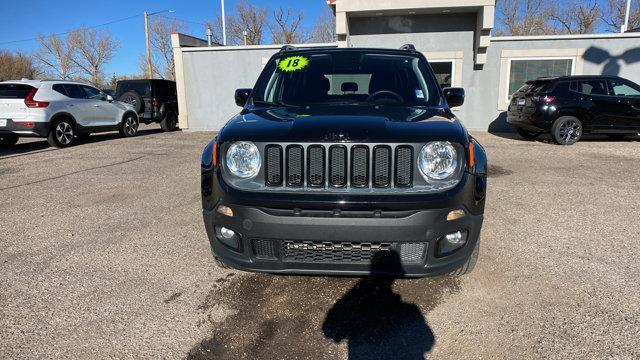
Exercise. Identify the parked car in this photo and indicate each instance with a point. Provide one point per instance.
(340, 157)
(109, 92)
(154, 100)
(61, 111)
(568, 107)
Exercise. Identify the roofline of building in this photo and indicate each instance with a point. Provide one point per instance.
(258, 47)
(566, 37)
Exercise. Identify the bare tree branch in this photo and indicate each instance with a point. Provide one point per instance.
(55, 56)
(324, 29)
(614, 12)
(287, 28)
(576, 18)
(160, 30)
(524, 17)
(92, 51)
(17, 66)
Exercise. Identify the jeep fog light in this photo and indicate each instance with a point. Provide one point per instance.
(452, 242)
(228, 237)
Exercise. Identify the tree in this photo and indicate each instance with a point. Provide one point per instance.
(324, 30)
(524, 17)
(287, 27)
(577, 18)
(17, 66)
(246, 17)
(55, 56)
(614, 13)
(92, 50)
(160, 30)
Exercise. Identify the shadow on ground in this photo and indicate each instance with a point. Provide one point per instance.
(35, 145)
(318, 317)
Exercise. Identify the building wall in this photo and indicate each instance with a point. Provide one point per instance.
(210, 75)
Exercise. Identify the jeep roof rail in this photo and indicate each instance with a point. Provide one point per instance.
(408, 47)
(288, 48)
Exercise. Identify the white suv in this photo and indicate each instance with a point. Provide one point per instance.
(61, 111)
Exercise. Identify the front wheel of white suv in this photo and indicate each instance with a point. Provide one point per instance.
(129, 126)
(62, 133)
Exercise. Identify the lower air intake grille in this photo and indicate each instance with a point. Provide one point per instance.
(264, 249)
(331, 252)
(412, 252)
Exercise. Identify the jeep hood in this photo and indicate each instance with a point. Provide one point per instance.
(344, 124)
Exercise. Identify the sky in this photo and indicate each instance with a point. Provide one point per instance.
(24, 20)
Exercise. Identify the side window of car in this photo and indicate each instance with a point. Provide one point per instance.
(59, 88)
(562, 88)
(74, 91)
(593, 87)
(623, 88)
(92, 93)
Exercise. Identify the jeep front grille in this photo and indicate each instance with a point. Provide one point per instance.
(338, 166)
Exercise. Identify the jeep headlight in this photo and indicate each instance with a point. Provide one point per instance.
(438, 160)
(243, 159)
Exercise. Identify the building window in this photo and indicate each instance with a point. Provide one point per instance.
(521, 70)
(444, 71)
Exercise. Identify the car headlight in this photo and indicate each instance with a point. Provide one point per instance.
(438, 160)
(243, 159)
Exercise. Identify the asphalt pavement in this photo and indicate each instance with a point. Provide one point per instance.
(103, 254)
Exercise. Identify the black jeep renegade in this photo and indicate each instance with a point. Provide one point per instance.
(341, 156)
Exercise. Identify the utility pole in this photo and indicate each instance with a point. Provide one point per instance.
(146, 35)
(224, 25)
(625, 27)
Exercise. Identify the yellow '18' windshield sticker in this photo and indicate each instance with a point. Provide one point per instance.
(293, 63)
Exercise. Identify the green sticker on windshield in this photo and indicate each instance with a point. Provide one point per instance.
(293, 63)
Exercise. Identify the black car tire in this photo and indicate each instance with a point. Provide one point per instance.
(8, 140)
(134, 99)
(169, 122)
(129, 125)
(221, 264)
(617, 137)
(529, 135)
(566, 130)
(62, 133)
(470, 264)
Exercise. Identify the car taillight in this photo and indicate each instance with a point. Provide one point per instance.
(544, 99)
(32, 103)
(154, 103)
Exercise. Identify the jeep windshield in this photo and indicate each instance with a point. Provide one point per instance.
(347, 77)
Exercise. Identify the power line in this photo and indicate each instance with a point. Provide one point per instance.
(70, 31)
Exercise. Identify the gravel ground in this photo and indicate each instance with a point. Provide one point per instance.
(103, 254)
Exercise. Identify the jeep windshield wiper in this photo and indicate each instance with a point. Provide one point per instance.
(274, 104)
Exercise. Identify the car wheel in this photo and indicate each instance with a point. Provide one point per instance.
(8, 140)
(62, 133)
(169, 122)
(129, 126)
(134, 99)
(566, 130)
(617, 136)
(529, 135)
(470, 264)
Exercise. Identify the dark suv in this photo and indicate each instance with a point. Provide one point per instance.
(347, 162)
(154, 100)
(570, 106)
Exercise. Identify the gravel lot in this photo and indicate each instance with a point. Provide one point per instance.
(103, 254)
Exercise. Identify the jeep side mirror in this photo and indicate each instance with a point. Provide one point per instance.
(454, 96)
(241, 96)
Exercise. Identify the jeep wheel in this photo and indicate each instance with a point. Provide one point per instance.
(566, 130)
(529, 135)
(8, 140)
(62, 133)
(470, 264)
(134, 99)
(129, 126)
(169, 122)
